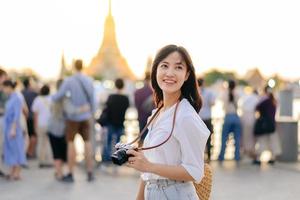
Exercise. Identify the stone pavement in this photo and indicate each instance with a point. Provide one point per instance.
(231, 182)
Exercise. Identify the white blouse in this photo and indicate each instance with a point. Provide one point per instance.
(186, 145)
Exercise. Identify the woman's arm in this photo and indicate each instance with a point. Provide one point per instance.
(35, 109)
(192, 135)
(17, 109)
(35, 121)
(140, 163)
(25, 110)
(171, 172)
(140, 195)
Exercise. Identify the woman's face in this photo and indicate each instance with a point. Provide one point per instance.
(171, 73)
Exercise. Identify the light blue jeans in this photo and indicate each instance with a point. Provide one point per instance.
(113, 137)
(232, 124)
(164, 189)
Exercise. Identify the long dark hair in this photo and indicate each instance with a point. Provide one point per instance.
(231, 86)
(268, 91)
(189, 89)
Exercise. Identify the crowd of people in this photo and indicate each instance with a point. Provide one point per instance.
(40, 124)
(254, 128)
(49, 121)
(243, 113)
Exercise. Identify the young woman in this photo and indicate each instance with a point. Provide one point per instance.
(56, 131)
(56, 134)
(232, 122)
(267, 138)
(168, 170)
(41, 114)
(14, 151)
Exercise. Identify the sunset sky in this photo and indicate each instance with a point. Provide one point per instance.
(232, 35)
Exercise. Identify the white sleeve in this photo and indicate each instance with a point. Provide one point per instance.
(35, 104)
(192, 135)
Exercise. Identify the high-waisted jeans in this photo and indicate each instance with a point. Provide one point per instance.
(164, 189)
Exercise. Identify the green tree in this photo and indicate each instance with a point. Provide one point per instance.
(212, 76)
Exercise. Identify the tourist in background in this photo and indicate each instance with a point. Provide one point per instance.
(56, 133)
(248, 105)
(232, 123)
(208, 99)
(29, 95)
(14, 151)
(116, 106)
(41, 109)
(267, 138)
(3, 99)
(80, 91)
(144, 103)
(23, 120)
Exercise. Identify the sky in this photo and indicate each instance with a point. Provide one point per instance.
(231, 35)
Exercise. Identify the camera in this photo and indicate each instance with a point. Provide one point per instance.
(119, 157)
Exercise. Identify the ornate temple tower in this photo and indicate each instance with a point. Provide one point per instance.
(63, 68)
(109, 63)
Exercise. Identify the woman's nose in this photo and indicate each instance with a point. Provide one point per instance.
(170, 72)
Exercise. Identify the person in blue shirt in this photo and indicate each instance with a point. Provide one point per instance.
(80, 93)
(3, 98)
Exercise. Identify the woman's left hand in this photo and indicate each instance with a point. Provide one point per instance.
(138, 161)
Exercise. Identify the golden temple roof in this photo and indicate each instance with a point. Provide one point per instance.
(109, 62)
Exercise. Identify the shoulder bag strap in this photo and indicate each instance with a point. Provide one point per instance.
(84, 89)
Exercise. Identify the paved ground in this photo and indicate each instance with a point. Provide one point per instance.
(231, 182)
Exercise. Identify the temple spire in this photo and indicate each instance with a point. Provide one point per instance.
(109, 8)
(109, 62)
(63, 68)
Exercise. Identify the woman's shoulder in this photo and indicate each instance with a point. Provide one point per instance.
(189, 119)
(16, 97)
(38, 100)
(14, 101)
(187, 111)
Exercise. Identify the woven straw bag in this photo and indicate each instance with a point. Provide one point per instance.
(203, 189)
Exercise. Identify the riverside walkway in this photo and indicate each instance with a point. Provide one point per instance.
(231, 182)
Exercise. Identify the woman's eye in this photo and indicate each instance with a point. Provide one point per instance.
(179, 67)
(163, 66)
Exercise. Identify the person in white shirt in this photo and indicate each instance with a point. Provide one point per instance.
(248, 105)
(209, 99)
(169, 170)
(41, 110)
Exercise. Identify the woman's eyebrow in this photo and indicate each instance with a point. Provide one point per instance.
(179, 63)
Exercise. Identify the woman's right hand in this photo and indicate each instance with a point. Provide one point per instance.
(138, 161)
